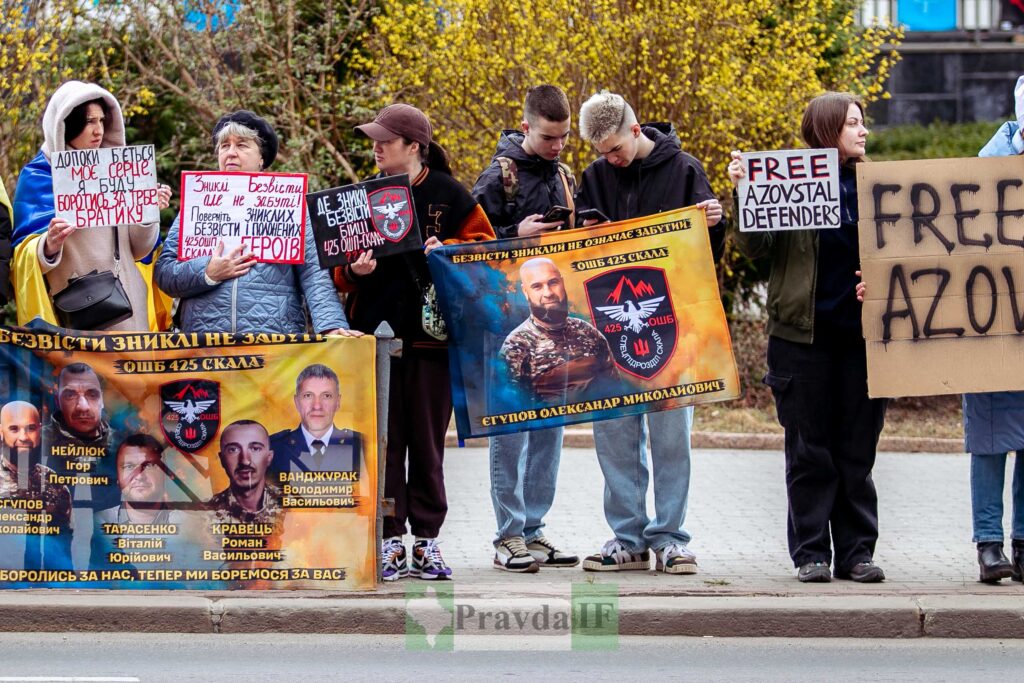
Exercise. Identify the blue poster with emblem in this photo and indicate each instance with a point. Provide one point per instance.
(583, 325)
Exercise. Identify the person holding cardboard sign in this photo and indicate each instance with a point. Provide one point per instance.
(79, 116)
(994, 426)
(817, 366)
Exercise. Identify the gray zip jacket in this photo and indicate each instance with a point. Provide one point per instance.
(266, 299)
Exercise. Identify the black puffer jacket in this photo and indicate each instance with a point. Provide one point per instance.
(666, 179)
(540, 186)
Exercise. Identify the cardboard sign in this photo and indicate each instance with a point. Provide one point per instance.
(265, 212)
(789, 189)
(95, 188)
(942, 254)
(160, 497)
(376, 215)
(633, 324)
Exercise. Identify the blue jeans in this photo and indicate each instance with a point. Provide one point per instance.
(524, 468)
(988, 472)
(621, 452)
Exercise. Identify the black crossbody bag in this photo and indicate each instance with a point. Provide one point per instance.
(95, 300)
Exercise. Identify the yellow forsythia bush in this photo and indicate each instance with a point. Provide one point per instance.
(728, 74)
(32, 36)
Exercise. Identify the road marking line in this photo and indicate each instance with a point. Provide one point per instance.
(72, 679)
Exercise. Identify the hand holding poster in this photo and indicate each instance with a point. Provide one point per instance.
(789, 189)
(262, 212)
(376, 215)
(95, 188)
(583, 325)
(940, 247)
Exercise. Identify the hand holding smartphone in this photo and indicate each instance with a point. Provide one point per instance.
(591, 214)
(557, 214)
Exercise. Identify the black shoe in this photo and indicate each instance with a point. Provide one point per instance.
(814, 572)
(865, 572)
(1017, 563)
(993, 563)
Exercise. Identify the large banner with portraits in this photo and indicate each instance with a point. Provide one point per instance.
(584, 325)
(203, 461)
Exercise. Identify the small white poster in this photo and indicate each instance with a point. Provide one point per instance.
(789, 189)
(264, 212)
(95, 188)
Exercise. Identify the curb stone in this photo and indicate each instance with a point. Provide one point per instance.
(852, 616)
(584, 438)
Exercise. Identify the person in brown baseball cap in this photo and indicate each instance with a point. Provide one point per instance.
(398, 289)
(412, 125)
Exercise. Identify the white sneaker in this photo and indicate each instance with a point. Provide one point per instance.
(675, 558)
(393, 560)
(511, 555)
(547, 555)
(614, 557)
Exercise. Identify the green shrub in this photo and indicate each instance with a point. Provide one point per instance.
(935, 141)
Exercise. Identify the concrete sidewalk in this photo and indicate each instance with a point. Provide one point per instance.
(746, 584)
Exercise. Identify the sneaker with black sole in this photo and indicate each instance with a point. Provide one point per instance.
(427, 563)
(615, 557)
(547, 555)
(863, 572)
(393, 561)
(675, 558)
(814, 572)
(511, 555)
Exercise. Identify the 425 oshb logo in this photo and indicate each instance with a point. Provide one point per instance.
(190, 413)
(392, 212)
(632, 308)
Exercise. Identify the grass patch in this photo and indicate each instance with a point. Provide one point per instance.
(931, 417)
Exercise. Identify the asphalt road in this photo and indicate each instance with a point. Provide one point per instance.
(309, 658)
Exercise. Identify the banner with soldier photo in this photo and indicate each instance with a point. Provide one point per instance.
(584, 325)
(200, 461)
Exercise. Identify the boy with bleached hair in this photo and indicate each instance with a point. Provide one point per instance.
(643, 171)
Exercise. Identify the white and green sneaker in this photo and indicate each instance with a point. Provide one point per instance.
(614, 557)
(675, 558)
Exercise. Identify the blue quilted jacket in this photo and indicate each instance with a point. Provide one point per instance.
(994, 421)
(266, 299)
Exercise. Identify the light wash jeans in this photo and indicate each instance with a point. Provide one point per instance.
(988, 472)
(621, 452)
(524, 468)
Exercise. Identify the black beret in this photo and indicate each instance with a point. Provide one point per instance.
(268, 138)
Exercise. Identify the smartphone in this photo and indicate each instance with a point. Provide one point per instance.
(557, 214)
(588, 214)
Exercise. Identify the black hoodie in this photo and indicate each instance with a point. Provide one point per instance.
(540, 186)
(666, 179)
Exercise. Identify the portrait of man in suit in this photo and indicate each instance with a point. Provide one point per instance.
(316, 444)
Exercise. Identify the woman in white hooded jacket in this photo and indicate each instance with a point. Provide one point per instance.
(81, 116)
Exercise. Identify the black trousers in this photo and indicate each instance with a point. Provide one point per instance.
(419, 410)
(832, 429)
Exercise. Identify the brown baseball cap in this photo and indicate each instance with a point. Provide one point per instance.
(399, 121)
